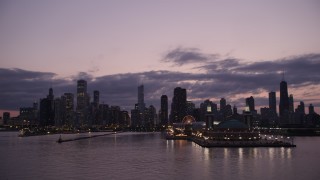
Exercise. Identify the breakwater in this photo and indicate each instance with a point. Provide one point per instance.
(61, 140)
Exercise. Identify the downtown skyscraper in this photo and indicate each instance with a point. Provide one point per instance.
(250, 104)
(96, 97)
(47, 110)
(179, 105)
(164, 110)
(284, 102)
(141, 104)
(284, 98)
(273, 101)
(69, 107)
(82, 102)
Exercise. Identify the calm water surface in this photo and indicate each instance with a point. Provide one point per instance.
(147, 156)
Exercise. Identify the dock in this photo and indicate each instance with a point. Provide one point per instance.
(239, 144)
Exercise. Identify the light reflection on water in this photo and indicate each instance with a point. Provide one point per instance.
(148, 156)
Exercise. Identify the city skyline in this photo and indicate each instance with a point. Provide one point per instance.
(213, 49)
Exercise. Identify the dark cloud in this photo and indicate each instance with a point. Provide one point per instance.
(20, 88)
(182, 56)
(222, 78)
(292, 66)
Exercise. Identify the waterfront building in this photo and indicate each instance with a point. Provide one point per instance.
(164, 110)
(268, 117)
(231, 130)
(248, 117)
(178, 106)
(203, 110)
(209, 118)
(28, 115)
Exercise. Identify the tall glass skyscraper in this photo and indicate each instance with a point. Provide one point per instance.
(82, 102)
(81, 94)
(141, 104)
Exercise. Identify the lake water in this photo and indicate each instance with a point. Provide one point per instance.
(148, 156)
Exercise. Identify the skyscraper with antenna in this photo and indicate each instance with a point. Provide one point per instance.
(284, 100)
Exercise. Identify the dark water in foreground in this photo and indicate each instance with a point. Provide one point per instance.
(147, 156)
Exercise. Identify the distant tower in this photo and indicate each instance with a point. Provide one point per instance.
(291, 105)
(141, 104)
(179, 105)
(272, 101)
(96, 95)
(6, 117)
(47, 110)
(235, 109)
(81, 95)
(82, 102)
(209, 117)
(301, 108)
(164, 110)
(311, 109)
(250, 103)
(190, 107)
(69, 108)
(223, 103)
(50, 95)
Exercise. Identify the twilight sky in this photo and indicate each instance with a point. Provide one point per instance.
(214, 49)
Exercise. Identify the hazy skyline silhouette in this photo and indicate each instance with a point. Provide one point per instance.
(213, 49)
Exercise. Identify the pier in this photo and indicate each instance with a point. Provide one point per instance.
(60, 140)
(237, 144)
